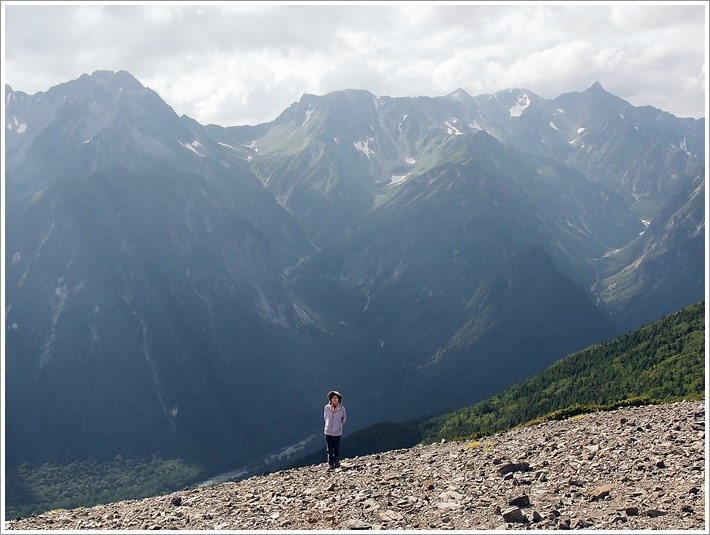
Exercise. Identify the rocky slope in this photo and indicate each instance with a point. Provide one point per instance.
(629, 469)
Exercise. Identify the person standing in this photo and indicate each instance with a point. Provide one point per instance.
(334, 415)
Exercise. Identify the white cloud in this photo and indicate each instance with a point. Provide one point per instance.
(245, 62)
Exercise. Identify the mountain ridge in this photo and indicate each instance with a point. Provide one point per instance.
(168, 277)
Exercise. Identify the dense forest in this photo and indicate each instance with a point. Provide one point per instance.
(84, 483)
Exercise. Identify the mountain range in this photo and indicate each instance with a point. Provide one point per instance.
(193, 291)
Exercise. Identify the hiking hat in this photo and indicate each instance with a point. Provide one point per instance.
(335, 393)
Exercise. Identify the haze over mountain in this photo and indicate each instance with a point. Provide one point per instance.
(193, 291)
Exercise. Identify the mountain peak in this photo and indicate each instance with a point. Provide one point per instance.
(117, 78)
(459, 94)
(596, 87)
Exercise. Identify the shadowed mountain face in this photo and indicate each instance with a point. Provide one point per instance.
(196, 290)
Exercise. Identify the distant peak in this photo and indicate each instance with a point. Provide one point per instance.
(596, 86)
(459, 94)
(120, 77)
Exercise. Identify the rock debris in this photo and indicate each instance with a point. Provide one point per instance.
(635, 468)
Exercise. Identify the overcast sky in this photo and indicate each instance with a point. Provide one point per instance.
(236, 63)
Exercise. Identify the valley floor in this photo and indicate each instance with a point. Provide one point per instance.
(634, 468)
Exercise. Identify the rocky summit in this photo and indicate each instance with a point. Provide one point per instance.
(634, 468)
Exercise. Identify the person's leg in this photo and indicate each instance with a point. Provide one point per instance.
(336, 451)
(329, 448)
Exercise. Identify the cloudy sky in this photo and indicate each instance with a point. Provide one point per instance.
(235, 63)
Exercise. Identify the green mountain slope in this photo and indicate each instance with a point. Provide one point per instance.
(661, 362)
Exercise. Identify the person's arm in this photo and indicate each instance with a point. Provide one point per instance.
(345, 415)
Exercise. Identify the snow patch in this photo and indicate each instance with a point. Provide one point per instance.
(409, 160)
(192, 147)
(18, 127)
(309, 112)
(553, 125)
(88, 140)
(579, 131)
(398, 179)
(404, 118)
(225, 145)
(684, 146)
(363, 146)
(477, 127)
(560, 110)
(451, 129)
(252, 145)
(521, 104)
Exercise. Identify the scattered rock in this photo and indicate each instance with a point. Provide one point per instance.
(636, 468)
(520, 501)
(357, 525)
(509, 468)
(514, 514)
(601, 492)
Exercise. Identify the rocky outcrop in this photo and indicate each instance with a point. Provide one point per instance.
(629, 469)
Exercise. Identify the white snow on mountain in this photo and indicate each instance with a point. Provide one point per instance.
(684, 147)
(309, 112)
(18, 127)
(578, 131)
(552, 125)
(451, 129)
(398, 179)
(363, 147)
(192, 147)
(521, 104)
